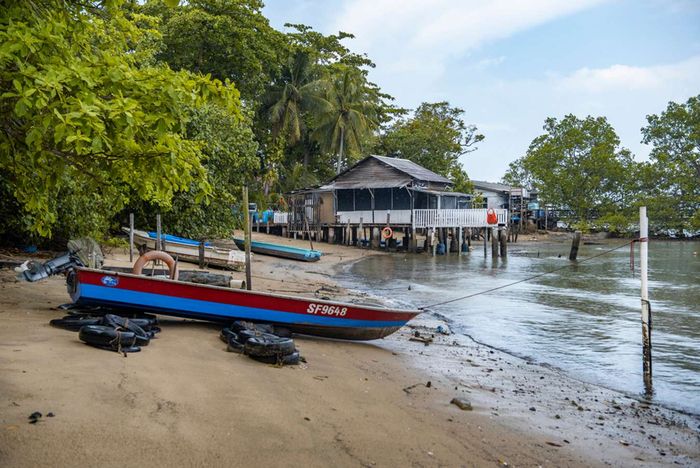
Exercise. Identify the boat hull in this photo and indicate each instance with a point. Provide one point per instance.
(282, 251)
(188, 300)
(213, 256)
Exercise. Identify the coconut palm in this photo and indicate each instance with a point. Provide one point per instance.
(297, 91)
(345, 115)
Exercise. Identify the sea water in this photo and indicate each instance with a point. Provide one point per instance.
(584, 319)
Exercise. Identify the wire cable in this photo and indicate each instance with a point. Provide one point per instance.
(526, 279)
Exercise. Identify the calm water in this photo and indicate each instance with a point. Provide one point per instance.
(584, 319)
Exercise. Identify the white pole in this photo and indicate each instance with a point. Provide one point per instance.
(646, 308)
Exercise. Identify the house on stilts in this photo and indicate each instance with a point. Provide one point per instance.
(356, 206)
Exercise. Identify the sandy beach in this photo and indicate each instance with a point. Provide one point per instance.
(185, 401)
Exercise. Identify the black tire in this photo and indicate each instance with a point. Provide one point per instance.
(234, 346)
(74, 323)
(126, 324)
(240, 325)
(282, 332)
(269, 345)
(132, 325)
(245, 335)
(226, 334)
(288, 360)
(106, 337)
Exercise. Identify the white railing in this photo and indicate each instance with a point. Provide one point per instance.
(280, 218)
(395, 217)
(456, 218)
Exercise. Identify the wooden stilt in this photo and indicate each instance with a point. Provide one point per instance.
(494, 242)
(504, 245)
(574, 245)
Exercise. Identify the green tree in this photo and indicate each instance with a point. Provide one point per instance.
(435, 137)
(229, 157)
(296, 93)
(86, 120)
(578, 165)
(228, 39)
(347, 115)
(673, 177)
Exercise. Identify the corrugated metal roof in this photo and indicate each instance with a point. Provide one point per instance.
(494, 186)
(372, 172)
(414, 170)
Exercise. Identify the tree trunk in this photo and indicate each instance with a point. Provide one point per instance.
(340, 153)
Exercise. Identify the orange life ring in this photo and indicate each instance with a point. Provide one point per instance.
(491, 216)
(156, 255)
(387, 233)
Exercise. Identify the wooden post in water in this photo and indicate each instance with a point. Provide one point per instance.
(460, 240)
(433, 243)
(248, 235)
(159, 238)
(494, 242)
(485, 244)
(646, 306)
(503, 237)
(361, 230)
(574, 245)
(201, 253)
(131, 237)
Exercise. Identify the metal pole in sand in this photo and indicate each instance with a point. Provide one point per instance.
(159, 241)
(646, 307)
(131, 237)
(248, 234)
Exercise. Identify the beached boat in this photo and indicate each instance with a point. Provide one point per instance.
(196, 301)
(187, 250)
(284, 251)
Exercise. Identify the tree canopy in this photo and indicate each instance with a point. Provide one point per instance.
(435, 137)
(672, 180)
(578, 165)
(87, 114)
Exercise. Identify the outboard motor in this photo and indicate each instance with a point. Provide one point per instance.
(81, 252)
(36, 271)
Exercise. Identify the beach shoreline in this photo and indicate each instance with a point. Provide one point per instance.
(184, 400)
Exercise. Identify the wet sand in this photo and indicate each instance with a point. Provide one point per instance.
(185, 401)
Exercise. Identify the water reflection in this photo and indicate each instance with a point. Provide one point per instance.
(584, 319)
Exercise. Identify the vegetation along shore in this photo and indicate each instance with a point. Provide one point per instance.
(148, 146)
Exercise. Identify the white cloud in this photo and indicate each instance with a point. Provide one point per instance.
(410, 35)
(488, 63)
(625, 94)
(630, 78)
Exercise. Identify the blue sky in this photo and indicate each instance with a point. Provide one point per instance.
(511, 64)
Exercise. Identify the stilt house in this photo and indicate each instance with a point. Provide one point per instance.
(378, 190)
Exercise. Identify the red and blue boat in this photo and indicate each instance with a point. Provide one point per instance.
(308, 316)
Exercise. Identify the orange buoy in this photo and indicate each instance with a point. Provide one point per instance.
(387, 233)
(156, 255)
(491, 216)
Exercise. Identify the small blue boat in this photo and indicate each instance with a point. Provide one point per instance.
(283, 251)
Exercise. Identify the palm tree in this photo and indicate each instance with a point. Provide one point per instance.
(345, 115)
(289, 100)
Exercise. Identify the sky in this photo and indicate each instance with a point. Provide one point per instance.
(510, 64)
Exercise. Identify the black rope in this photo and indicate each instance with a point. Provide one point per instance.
(525, 279)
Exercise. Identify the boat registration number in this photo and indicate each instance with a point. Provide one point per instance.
(325, 309)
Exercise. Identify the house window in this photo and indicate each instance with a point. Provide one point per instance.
(382, 199)
(345, 200)
(420, 200)
(363, 200)
(448, 203)
(401, 199)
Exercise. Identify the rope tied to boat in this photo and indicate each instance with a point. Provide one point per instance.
(529, 278)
